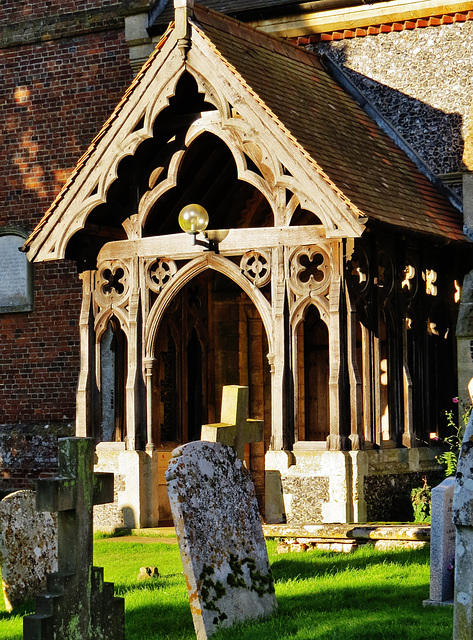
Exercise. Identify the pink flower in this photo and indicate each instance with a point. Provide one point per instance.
(455, 400)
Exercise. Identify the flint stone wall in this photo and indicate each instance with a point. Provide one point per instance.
(306, 495)
(421, 80)
(388, 497)
(109, 517)
(28, 453)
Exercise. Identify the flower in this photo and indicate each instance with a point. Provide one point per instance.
(455, 400)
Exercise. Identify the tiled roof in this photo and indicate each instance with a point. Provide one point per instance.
(350, 150)
(352, 154)
(230, 7)
(373, 30)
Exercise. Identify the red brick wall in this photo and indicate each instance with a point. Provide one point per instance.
(54, 97)
(20, 10)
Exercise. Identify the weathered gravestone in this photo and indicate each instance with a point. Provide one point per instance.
(235, 429)
(28, 547)
(463, 520)
(79, 605)
(220, 537)
(442, 544)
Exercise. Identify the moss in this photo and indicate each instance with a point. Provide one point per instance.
(260, 583)
(211, 590)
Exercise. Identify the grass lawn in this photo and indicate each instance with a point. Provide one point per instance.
(365, 595)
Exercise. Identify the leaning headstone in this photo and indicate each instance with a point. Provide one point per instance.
(463, 520)
(442, 544)
(28, 547)
(220, 537)
(78, 603)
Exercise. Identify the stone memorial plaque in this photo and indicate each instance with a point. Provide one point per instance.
(15, 275)
(220, 537)
(442, 543)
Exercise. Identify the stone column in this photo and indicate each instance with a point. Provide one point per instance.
(84, 397)
(149, 362)
(277, 358)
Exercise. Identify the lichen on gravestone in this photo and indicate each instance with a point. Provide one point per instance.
(220, 536)
(28, 547)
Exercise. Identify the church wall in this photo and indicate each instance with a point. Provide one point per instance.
(27, 454)
(54, 97)
(317, 486)
(421, 80)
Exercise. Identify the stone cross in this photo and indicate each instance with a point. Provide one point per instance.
(235, 429)
(79, 604)
(220, 536)
(463, 520)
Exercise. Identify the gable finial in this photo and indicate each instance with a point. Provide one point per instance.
(183, 10)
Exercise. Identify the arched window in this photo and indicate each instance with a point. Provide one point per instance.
(112, 383)
(313, 376)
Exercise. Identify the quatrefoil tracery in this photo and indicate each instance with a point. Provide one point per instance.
(309, 270)
(256, 267)
(111, 283)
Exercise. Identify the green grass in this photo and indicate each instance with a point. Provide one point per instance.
(365, 595)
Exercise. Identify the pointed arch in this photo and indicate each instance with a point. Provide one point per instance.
(185, 275)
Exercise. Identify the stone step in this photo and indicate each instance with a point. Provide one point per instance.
(45, 603)
(339, 532)
(37, 626)
(56, 582)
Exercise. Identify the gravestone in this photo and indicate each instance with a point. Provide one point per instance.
(78, 604)
(28, 547)
(220, 537)
(463, 520)
(442, 544)
(235, 429)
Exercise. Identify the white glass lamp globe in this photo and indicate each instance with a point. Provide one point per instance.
(193, 219)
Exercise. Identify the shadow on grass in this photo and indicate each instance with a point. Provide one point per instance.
(23, 609)
(322, 563)
(156, 584)
(158, 620)
(369, 613)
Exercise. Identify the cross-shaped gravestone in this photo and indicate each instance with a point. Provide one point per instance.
(79, 604)
(235, 429)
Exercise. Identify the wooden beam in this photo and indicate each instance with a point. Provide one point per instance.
(361, 16)
(179, 246)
